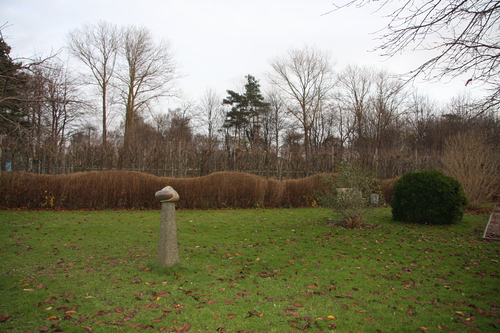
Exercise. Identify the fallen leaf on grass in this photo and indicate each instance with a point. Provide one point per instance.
(4, 317)
(130, 315)
(410, 311)
(139, 327)
(186, 327)
(88, 329)
(150, 305)
(482, 312)
(331, 317)
(100, 313)
(254, 313)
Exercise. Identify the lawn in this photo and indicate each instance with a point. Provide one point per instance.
(281, 270)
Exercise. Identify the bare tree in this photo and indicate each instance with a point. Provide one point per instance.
(457, 116)
(275, 118)
(355, 88)
(342, 125)
(210, 117)
(97, 47)
(54, 108)
(147, 74)
(386, 102)
(466, 33)
(14, 77)
(421, 114)
(211, 112)
(306, 77)
(472, 160)
(274, 121)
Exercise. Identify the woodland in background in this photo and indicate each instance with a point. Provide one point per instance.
(411, 140)
(57, 119)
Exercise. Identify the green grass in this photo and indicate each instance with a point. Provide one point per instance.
(278, 270)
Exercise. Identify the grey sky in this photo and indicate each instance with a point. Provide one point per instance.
(218, 42)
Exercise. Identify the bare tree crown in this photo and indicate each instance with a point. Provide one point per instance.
(463, 37)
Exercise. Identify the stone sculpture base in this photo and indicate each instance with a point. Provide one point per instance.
(168, 254)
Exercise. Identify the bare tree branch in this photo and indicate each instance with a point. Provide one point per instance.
(462, 35)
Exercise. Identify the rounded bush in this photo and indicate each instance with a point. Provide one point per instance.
(428, 197)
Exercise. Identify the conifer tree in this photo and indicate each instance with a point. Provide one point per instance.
(12, 83)
(246, 110)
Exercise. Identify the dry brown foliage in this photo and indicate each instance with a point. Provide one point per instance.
(475, 163)
(135, 190)
(300, 192)
(387, 186)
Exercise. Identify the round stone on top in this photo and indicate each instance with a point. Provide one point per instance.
(167, 194)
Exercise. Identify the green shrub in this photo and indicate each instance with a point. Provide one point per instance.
(348, 194)
(428, 197)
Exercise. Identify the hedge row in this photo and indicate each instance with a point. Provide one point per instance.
(135, 190)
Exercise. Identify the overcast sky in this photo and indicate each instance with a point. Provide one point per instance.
(218, 42)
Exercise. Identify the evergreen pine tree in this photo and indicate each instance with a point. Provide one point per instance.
(12, 83)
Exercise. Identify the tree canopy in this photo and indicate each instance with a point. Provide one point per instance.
(245, 108)
(12, 83)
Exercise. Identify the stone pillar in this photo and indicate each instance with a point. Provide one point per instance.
(168, 254)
